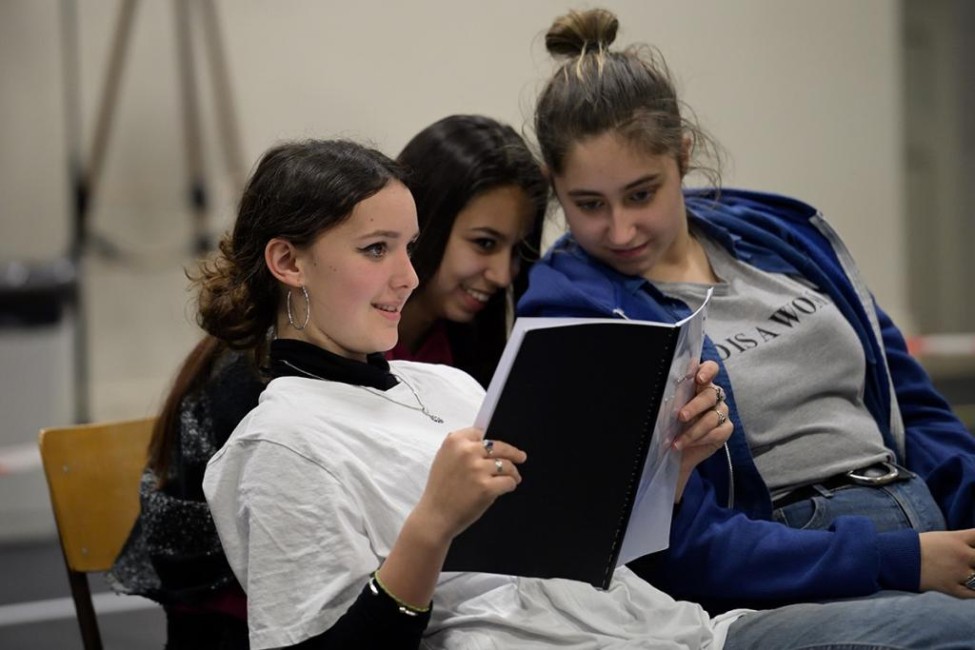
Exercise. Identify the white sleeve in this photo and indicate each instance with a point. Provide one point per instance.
(293, 536)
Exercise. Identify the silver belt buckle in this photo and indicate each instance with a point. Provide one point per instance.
(892, 475)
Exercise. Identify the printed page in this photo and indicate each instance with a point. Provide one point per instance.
(648, 530)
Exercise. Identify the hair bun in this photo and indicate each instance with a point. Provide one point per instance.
(578, 31)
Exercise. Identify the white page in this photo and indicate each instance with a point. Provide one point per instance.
(648, 530)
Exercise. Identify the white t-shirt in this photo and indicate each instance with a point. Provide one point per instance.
(311, 490)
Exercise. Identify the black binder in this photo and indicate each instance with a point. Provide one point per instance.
(582, 400)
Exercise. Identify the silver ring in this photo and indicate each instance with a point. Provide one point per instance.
(722, 418)
(488, 446)
(970, 583)
(718, 394)
(498, 467)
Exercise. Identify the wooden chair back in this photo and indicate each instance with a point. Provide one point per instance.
(93, 473)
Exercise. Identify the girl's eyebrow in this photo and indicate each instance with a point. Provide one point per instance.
(381, 233)
(386, 234)
(487, 230)
(649, 178)
(582, 193)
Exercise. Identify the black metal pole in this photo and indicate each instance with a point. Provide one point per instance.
(78, 204)
(197, 191)
(227, 116)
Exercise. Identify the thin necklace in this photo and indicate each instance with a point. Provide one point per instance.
(421, 408)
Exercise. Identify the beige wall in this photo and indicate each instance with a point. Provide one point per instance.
(804, 95)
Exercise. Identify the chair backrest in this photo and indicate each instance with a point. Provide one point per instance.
(93, 473)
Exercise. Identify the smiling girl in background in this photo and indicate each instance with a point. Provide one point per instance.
(480, 199)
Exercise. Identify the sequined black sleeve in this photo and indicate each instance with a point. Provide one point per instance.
(173, 554)
(373, 621)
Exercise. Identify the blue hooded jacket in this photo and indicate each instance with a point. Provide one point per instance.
(724, 549)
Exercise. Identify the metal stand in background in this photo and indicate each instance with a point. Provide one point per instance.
(85, 177)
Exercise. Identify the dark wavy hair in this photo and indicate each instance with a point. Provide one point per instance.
(297, 191)
(449, 163)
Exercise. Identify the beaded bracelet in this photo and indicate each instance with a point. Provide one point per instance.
(375, 585)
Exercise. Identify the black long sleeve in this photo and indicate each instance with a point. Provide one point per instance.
(374, 620)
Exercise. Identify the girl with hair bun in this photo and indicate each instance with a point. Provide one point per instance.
(847, 475)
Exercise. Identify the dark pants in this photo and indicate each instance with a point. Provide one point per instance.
(205, 631)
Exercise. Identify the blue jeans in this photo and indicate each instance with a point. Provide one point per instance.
(889, 620)
(905, 504)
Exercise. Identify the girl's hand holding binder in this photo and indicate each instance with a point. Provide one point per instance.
(465, 478)
(706, 425)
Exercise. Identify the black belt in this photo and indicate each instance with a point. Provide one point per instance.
(875, 475)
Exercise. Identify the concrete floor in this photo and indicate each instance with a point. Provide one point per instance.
(36, 611)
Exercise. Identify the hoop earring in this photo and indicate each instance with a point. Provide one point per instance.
(291, 317)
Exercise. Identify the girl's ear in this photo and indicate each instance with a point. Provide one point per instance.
(281, 258)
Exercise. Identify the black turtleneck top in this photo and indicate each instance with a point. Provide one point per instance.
(293, 358)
